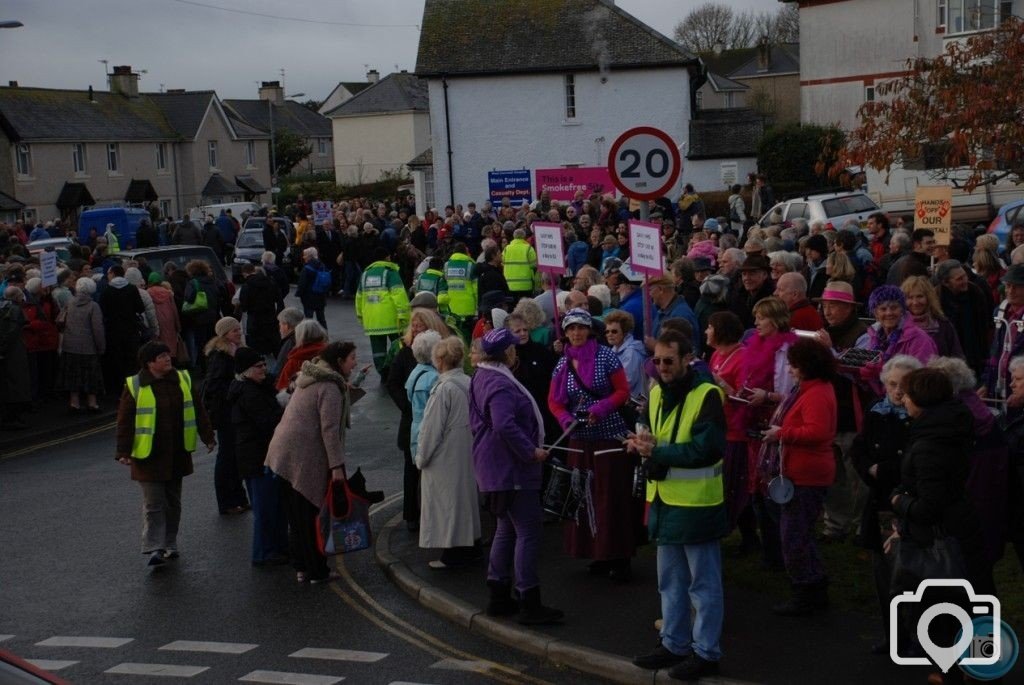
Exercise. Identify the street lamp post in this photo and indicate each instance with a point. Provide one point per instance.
(273, 155)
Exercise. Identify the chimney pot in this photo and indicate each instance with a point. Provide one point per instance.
(123, 81)
(372, 76)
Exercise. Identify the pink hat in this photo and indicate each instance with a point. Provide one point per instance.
(838, 291)
(706, 249)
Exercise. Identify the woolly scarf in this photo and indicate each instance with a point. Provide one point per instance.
(504, 371)
(887, 343)
(586, 357)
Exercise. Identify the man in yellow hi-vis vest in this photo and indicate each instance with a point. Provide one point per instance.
(159, 423)
(520, 260)
(682, 454)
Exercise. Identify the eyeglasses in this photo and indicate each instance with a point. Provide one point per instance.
(663, 361)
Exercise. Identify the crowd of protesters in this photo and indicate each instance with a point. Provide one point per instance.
(834, 358)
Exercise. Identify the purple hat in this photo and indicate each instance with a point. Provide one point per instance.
(886, 293)
(497, 341)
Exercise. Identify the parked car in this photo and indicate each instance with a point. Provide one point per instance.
(261, 221)
(248, 250)
(835, 209)
(181, 255)
(237, 210)
(58, 245)
(1008, 215)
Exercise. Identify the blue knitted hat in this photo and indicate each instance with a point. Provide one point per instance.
(886, 293)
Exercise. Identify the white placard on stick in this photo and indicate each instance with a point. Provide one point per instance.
(645, 247)
(322, 210)
(548, 243)
(48, 266)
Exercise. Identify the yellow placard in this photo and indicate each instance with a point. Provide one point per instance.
(933, 209)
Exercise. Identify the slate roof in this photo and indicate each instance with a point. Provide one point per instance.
(218, 185)
(74, 195)
(9, 204)
(28, 114)
(727, 61)
(723, 85)
(250, 184)
(141, 190)
(461, 37)
(784, 59)
(423, 159)
(292, 116)
(184, 111)
(725, 133)
(398, 92)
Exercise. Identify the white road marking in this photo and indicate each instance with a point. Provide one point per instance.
(171, 670)
(211, 647)
(338, 655)
(5, 637)
(282, 678)
(462, 665)
(84, 641)
(51, 664)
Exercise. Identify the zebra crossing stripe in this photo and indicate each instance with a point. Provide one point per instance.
(283, 678)
(5, 637)
(51, 664)
(170, 670)
(209, 647)
(338, 655)
(84, 641)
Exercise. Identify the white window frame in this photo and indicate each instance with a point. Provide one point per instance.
(941, 14)
(23, 160)
(321, 146)
(79, 159)
(730, 100)
(569, 87)
(700, 100)
(114, 159)
(211, 153)
(161, 156)
(250, 154)
(970, 14)
(165, 208)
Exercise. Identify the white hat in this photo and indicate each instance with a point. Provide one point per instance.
(498, 316)
(111, 227)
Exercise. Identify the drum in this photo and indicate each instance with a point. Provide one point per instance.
(560, 498)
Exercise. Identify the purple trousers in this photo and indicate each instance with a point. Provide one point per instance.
(796, 530)
(516, 543)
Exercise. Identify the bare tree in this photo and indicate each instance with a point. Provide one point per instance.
(785, 24)
(745, 30)
(705, 27)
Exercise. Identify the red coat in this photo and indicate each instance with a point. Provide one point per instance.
(808, 430)
(804, 317)
(40, 335)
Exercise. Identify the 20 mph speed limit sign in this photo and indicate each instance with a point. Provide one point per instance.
(644, 163)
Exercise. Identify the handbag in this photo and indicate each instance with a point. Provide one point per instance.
(199, 303)
(913, 561)
(344, 520)
(181, 351)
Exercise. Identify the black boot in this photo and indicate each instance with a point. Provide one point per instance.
(533, 613)
(802, 602)
(501, 603)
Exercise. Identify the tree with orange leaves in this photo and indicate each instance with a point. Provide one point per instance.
(961, 112)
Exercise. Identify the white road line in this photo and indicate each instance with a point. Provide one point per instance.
(5, 637)
(462, 665)
(338, 655)
(282, 678)
(211, 647)
(51, 664)
(84, 641)
(171, 670)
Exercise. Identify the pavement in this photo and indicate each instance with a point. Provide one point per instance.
(607, 624)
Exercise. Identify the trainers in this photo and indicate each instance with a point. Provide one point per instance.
(157, 558)
(170, 554)
(693, 668)
(661, 657)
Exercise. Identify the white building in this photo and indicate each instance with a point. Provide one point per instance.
(840, 70)
(555, 88)
(380, 129)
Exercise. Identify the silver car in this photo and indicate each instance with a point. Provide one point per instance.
(835, 209)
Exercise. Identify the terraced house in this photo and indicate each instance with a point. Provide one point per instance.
(65, 150)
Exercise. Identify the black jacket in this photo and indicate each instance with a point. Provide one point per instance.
(220, 371)
(258, 297)
(741, 302)
(882, 441)
(491, 280)
(255, 414)
(534, 366)
(401, 367)
(933, 479)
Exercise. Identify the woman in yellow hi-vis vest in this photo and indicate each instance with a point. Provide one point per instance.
(159, 424)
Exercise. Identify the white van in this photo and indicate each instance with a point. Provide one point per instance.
(237, 209)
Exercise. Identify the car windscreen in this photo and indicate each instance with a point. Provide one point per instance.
(848, 204)
(250, 239)
(255, 222)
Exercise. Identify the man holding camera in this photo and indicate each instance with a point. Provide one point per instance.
(683, 465)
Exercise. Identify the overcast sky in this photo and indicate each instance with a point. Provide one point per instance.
(184, 45)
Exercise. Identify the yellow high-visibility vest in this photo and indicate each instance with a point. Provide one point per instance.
(701, 487)
(520, 263)
(145, 415)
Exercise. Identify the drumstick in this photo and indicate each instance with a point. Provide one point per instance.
(564, 449)
(563, 436)
(614, 449)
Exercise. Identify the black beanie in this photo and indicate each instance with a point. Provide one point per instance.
(245, 358)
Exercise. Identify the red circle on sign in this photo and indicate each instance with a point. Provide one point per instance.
(671, 149)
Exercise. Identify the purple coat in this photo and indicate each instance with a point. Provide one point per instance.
(990, 471)
(913, 341)
(504, 434)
